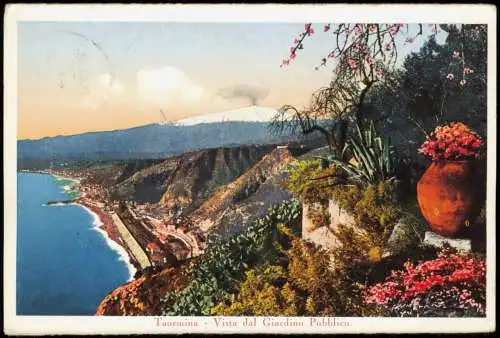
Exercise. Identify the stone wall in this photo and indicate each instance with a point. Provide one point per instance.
(406, 232)
(324, 236)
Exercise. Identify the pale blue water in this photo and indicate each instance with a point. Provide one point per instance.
(64, 267)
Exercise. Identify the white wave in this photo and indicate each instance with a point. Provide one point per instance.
(123, 254)
(58, 204)
(64, 178)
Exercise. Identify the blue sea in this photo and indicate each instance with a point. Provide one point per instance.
(64, 266)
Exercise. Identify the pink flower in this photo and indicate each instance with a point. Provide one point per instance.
(372, 28)
(450, 76)
(326, 28)
(309, 29)
(352, 63)
(292, 56)
(394, 29)
(456, 54)
(446, 272)
(388, 46)
(295, 41)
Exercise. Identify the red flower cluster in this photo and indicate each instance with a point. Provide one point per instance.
(454, 141)
(449, 271)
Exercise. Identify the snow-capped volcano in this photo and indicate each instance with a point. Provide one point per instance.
(246, 114)
(159, 140)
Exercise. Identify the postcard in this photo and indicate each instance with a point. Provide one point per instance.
(249, 169)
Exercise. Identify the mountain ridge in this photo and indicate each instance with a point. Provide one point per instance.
(149, 142)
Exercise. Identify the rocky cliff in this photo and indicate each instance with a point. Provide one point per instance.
(184, 180)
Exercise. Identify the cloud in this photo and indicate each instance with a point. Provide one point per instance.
(193, 93)
(252, 93)
(103, 89)
(167, 85)
(110, 82)
(172, 91)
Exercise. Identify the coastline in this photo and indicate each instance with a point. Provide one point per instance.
(59, 177)
(98, 226)
(102, 223)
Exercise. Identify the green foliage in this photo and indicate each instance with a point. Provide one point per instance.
(420, 91)
(264, 292)
(375, 158)
(223, 266)
(375, 213)
(305, 286)
(310, 182)
(374, 206)
(300, 175)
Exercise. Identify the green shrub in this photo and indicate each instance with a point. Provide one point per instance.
(311, 183)
(219, 271)
(375, 213)
(304, 286)
(301, 174)
(264, 292)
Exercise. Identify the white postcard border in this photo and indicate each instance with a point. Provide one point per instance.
(38, 325)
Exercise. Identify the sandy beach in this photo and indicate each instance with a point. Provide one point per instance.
(101, 225)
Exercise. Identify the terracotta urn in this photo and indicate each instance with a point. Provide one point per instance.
(449, 195)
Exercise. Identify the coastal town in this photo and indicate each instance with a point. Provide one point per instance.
(151, 237)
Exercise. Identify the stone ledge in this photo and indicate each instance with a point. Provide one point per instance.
(437, 241)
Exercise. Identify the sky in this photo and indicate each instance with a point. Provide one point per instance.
(75, 77)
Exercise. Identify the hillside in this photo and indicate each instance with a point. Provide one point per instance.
(188, 179)
(226, 213)
(226, 199)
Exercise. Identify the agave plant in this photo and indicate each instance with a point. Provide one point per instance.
(373, 158)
